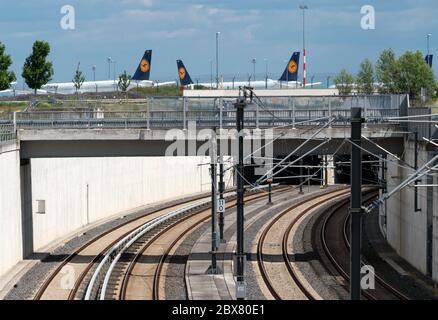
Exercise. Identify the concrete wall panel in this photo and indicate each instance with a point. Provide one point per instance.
(78, 191)
(407, 229)
(10, 207)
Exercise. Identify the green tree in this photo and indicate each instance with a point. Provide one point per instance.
(78, 79)
(6, 76)
(365, 78)
(387, 72)
(37, 71)
(344, 82)
(414, 74)
(124, 81)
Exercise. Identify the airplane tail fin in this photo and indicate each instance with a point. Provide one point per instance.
(429, 59)
(291, 71)
(183, 74)
(144, 67)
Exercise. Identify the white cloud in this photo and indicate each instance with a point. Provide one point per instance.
(146, 3)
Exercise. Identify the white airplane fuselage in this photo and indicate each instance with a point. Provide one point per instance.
(93, 86)
(260, 84)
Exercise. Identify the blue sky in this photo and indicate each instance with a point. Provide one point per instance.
(176, 29)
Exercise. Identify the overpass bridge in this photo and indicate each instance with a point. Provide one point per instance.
(96, 132)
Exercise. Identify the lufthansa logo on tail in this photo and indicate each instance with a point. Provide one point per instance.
(182, 73)
(144, 65)
(292, 67)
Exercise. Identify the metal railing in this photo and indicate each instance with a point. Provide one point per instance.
(99, 281)
(97, 287)
(7, 132)
(165, 113)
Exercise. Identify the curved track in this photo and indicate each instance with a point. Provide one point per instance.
(81, 263)
(54, 287)
(279, 275)
(336, 245)
(143, 280)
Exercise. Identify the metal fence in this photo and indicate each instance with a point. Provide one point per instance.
(162, 113)
(7, 132)
(424, 129)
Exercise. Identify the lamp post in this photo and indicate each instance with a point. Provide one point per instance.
(211, 74)
(304, 8)
(217, 59)
(114, 70)
(94, 72)
(109, 67)
(266, 73)
(428, 39)
(287, 76)
(254, 67)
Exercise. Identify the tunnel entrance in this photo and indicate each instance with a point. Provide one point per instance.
(290, 175)
(370, 169)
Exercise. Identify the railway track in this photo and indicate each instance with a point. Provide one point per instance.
(279, 274)
(336, 245)
(79, 267)
(81, 264)
(137, 268)
(134, 279)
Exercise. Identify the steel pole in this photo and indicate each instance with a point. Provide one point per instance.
(304, 53)
(356, 203)
(240, 254)
(416, 208)
(213, 269)
(301, 177)
(428, 38)
(213, 216)
(270, 193)
(308, 179)
(217, 60)
(211, 74)
(221, 196)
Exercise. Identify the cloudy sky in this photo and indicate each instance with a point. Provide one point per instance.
(176, 29)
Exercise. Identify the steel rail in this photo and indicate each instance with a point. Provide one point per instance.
(378, 278)
(76, 253)
(163, 257)
(104, 269)
(262, 238)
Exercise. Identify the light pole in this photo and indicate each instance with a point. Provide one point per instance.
(356, 204)
(217, 59)
(94, 72)
(211, 74)
(287, 76)
(266, 73)
(428, 39)
(254, 67)
(109, 67)
(114, 75)
(304, 8)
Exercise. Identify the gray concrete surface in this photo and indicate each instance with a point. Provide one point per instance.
(10, 206)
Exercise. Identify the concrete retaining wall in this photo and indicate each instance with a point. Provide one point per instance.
(407, 229)
(78, 191)
(10, 207)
